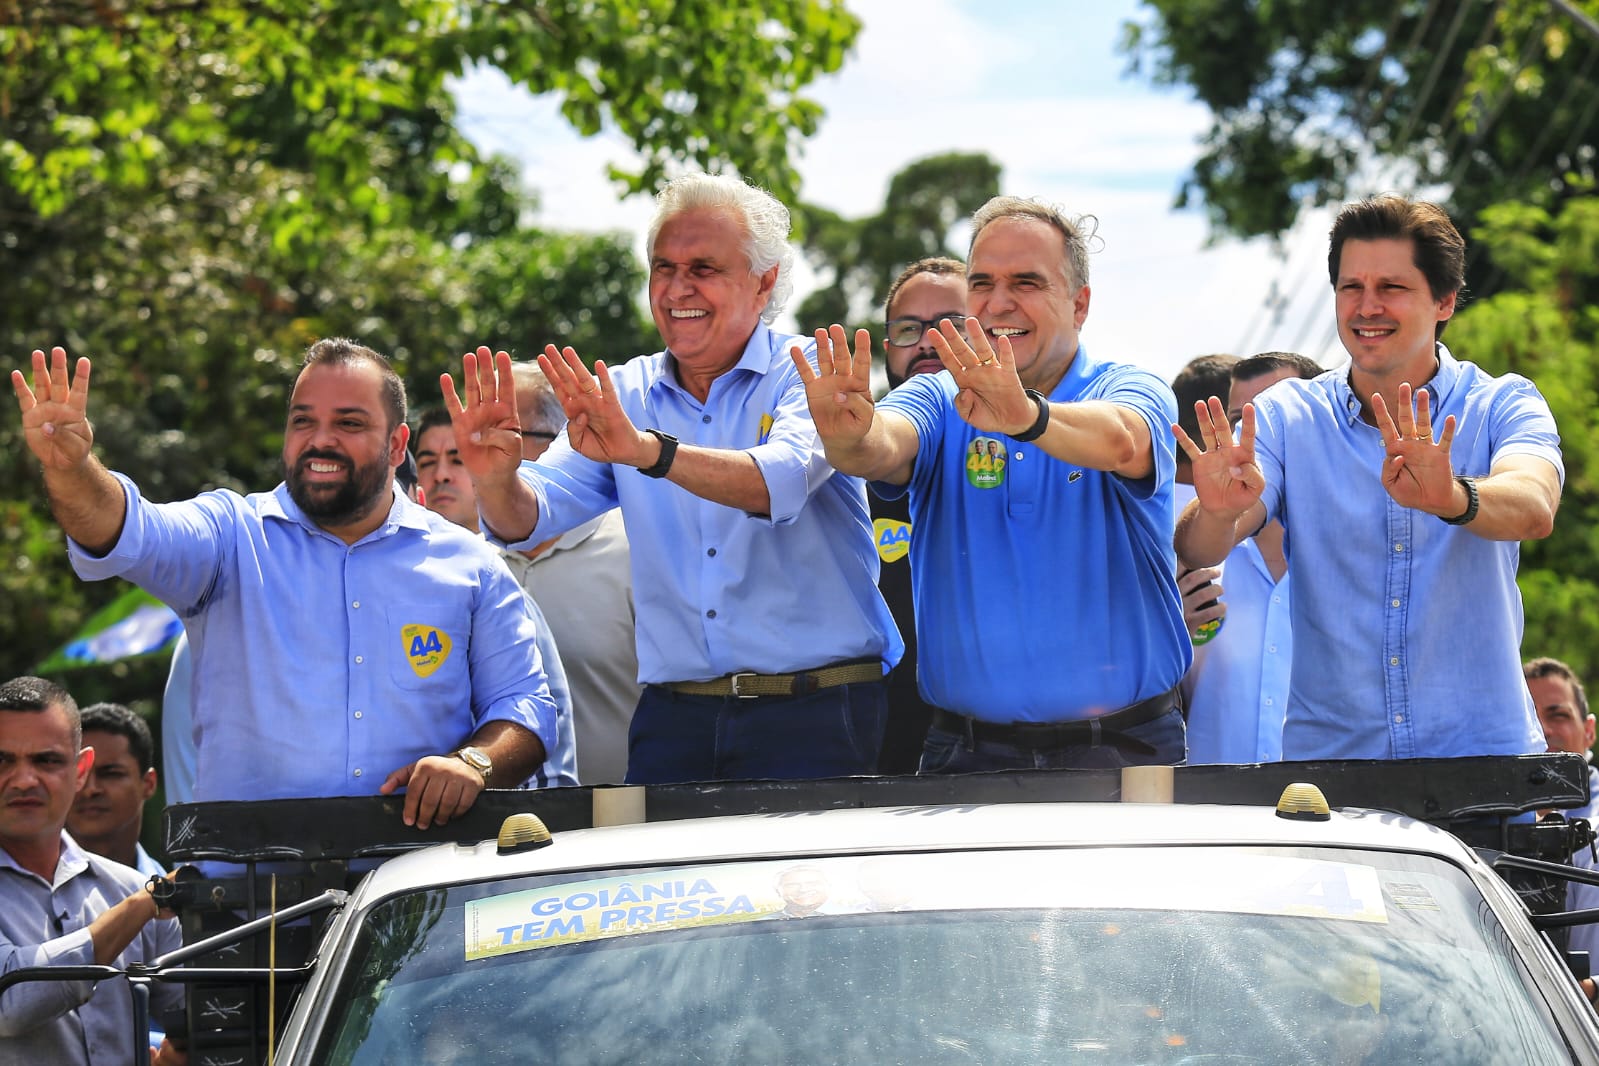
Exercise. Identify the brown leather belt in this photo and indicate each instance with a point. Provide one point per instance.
(1048, 736)
(749, 686)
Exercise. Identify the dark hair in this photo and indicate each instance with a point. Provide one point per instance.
(432, 418)
(938, 266)
(37, 694)
(1439, 249)
(1203, 377)
(341, 351)
(1547, 667)
(1258, 366)
(123, 722)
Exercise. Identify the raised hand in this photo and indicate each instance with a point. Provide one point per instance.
(488, 433)
(55, 420)
(596, 425)
(991, 396)
(839, 391)
(1227, 479)
(1417, 472)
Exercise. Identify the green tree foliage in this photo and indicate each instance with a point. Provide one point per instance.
(1544, 323)
(1492, 100)
(190, 193)
(859, 258)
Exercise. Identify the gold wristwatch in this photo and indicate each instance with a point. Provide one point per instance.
(477, 759)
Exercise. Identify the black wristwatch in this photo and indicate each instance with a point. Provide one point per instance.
(668, 453)
(1040, 424)
(1470, 485)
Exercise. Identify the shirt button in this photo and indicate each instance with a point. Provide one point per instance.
(1276, 599)
(1396, 603)
(359, 660)
(1018, 457)
(1399, 547)
(711, 552)
(1272, 648)
(358, 773)
(711, 613)
(358, 714)
(1399, 719)
(356, 605)
(706, 419)
(1394, 661)
(1269, 701)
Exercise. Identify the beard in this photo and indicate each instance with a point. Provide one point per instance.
(922, 364)
(330, 505)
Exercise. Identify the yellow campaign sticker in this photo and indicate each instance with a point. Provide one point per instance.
(985, 463)
(766, 429)
(893, 539)
(426, 648)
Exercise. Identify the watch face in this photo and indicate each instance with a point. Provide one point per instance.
(475, 758)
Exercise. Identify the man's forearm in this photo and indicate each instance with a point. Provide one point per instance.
(730, 478)
(515, 750)
(89, 504)
(117, 927)
(1204, 539)
(1100, 436)
(885, 453)
(509, 507)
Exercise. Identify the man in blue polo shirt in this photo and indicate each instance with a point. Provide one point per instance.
(345, 640)
(1048, 623)
(1405, 481)
(762, 638)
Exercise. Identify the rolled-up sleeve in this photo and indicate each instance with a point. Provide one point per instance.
(570, 489)
(508, 682)
(791, 458)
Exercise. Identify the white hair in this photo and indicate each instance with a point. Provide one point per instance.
(766, 225)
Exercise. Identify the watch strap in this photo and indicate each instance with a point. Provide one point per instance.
(1040, 424)
(1470, 485)
(668, 453)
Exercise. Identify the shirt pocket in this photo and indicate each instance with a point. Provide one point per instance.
(426, 645)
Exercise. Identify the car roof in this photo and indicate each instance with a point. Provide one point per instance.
(899, 829)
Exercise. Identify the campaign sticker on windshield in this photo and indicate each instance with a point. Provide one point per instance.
(1220, 880)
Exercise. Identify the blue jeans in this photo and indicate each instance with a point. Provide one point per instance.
(836, 732)
(951, 753)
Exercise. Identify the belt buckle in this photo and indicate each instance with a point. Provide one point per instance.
(733, 680)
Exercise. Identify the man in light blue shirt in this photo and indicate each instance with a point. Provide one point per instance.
(62, 905)
(108, 813)
(1405, 481)
(1048, 625)
(345, 640)
(1568, 726)
(1237, 691)
(762, 639)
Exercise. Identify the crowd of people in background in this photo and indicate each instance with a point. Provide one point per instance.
(731, 559)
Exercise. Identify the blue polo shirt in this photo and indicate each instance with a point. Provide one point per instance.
(1044, 590)
(717, 590)
(321, 667)
(1407, 631)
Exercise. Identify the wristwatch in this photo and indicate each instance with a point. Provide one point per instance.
(668, 453)
(1470, 485)
(477, 759)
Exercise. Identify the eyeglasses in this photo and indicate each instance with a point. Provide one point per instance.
(539, 434)
(908, 332)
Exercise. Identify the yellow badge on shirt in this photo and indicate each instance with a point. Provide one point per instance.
(425, 647)
(893, 539)
(766, 430)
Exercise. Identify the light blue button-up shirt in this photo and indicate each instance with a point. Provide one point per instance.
(1240, 679)
(46, 923)
(319, 668)
(1407, 631)
(717, 590)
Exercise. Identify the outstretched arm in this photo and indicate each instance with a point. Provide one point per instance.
(839, 393)
(1227, 486)
(86, 500)
(1516, 501)
(600, 429)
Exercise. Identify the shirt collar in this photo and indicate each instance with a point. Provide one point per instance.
(1438, 389)
(1076, 378)
(402, 515)
(756, 358)
(72, 861)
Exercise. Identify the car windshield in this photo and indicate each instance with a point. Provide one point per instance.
(1134, 955)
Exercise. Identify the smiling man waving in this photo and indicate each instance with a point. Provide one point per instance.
(1406, 481)
(1047, 619)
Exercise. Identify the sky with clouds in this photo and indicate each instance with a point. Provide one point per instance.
(1045, 92)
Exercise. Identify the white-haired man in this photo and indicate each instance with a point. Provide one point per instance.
(762, 639)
